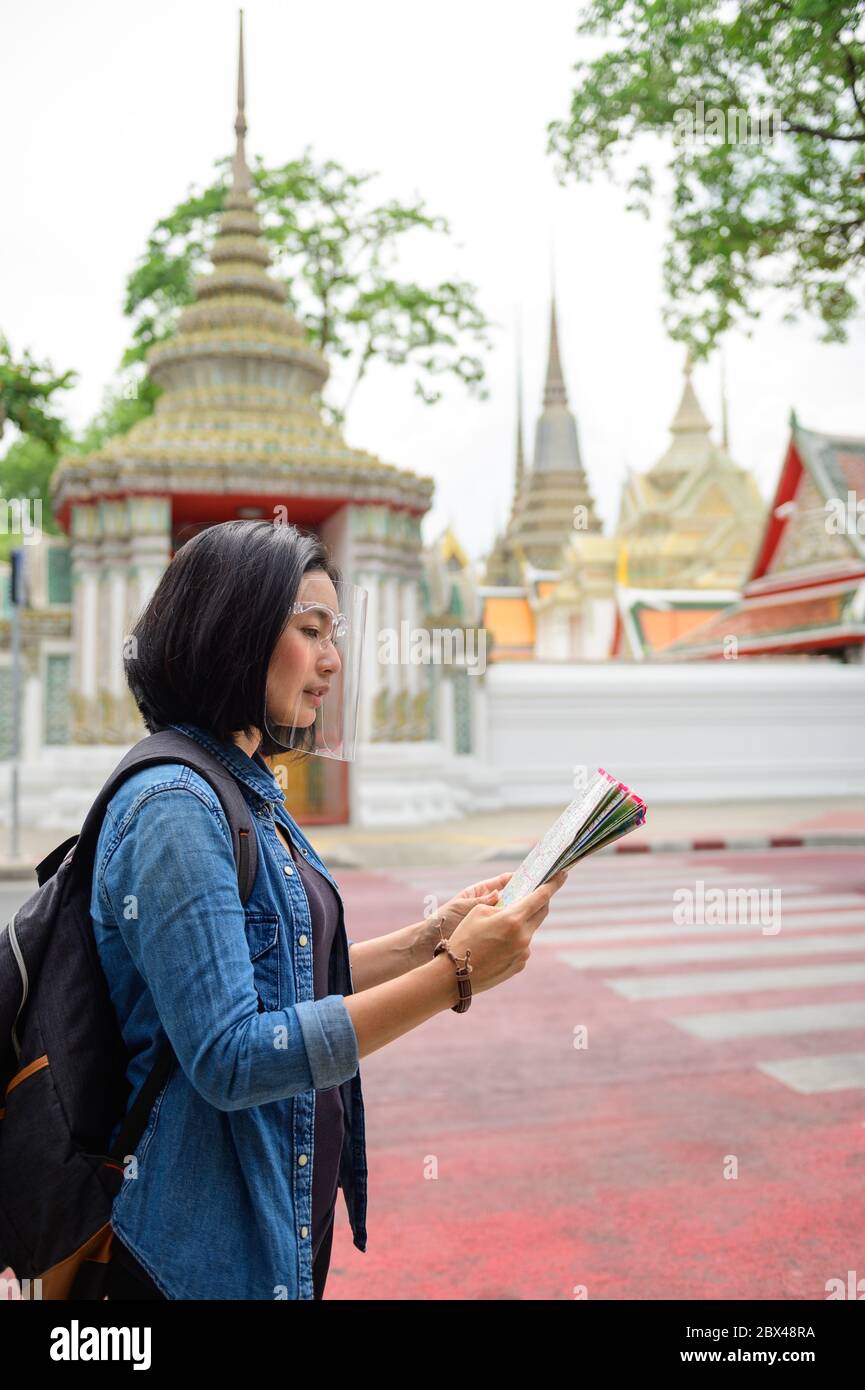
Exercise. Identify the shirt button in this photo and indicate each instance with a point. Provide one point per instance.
(289, 870)
(302, 1160)
(304, 1231)
(302, 940)
(305, 853)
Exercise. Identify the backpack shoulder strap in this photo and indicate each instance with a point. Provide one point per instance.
(167, 746)
(171, 746)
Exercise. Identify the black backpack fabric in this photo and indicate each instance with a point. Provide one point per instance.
(63, 1061)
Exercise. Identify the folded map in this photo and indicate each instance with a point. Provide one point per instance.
(604, 812)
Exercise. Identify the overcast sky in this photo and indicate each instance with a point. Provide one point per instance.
(111, 111)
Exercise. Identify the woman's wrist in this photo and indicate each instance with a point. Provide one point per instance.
(384, 1012)
(386, 957)
(425, 937)
(448, 978)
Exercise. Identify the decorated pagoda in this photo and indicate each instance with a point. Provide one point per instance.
(686, 535)
(237, 431)
(553, 495)
(551, 501)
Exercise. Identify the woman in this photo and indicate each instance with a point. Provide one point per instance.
(231, 1191)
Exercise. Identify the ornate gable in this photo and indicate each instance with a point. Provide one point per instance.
(806, 540)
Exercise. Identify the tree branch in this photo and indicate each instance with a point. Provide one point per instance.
(797, 128)
(365, 356)
(851, 68)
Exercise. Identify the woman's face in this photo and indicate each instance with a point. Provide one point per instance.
(299, 661)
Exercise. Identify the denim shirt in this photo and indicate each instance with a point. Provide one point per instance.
(217, 1202)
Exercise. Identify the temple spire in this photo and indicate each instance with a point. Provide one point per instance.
(555, 495)
(689, 417)
(240, 252)
(555, 392)
(520, 455)
(691, 446)
(241, 181)
(725, 432)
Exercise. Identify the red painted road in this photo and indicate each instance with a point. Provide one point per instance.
(603, 1167)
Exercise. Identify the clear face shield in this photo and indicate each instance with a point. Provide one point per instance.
(313, 685)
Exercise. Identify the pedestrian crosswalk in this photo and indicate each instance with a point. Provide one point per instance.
(614, 919)
(622, 925)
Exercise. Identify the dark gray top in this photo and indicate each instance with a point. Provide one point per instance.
(328, 1139)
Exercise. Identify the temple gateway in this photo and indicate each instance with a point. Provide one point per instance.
(237, 431)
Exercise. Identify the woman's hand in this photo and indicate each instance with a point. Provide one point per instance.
(500, 941)
(456, 908)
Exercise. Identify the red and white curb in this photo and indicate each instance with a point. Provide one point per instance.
(700, 843)
(734, 842)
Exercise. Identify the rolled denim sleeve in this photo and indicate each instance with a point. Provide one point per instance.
(169, 880)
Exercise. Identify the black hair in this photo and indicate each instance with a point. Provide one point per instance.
(203, 642)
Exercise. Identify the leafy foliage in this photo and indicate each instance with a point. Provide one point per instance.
(26, 388)
(336, 252)
(777, 206)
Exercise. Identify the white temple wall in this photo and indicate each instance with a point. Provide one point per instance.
(566, 633)
(708, 731)
(30, 732)
(599, 623)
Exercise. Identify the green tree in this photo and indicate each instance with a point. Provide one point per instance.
(26, 388)
(27, 465)
(782, 209)
(26, 391)
(25, 470)
(335, 250)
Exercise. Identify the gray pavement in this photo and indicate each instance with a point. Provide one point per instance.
(504, 834)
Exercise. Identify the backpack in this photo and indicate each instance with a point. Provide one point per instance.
(63, 1060)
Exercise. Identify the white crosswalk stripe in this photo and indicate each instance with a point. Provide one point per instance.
(836, 1071)
(757, 948)
(660, 898)
(765, 1023)
(737, 981)
(787, 911)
